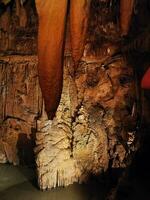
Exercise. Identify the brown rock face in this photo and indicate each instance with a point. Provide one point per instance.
(20, 104)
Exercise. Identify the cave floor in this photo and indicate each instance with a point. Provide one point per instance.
(19, 183)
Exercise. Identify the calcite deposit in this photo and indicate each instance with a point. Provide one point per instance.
(90, 131)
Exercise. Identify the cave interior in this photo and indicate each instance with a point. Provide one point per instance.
(104, 94)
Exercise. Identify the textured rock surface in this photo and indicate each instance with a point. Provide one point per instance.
(20, 104)
(92, 131)
(18, 33)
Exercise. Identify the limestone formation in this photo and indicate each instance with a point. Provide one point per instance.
(91, 128)
(92, 131)
(95, 124)
(20, 104)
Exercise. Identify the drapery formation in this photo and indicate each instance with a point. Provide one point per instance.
(52, 22)
(52, 17)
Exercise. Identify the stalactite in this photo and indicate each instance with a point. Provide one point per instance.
(51, 43)
(79, 10)
(5, 20)
(21, 14)
(22, 17)
(52, 19)
(17, 7)
(126, 10)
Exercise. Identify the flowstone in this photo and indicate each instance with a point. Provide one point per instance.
(91, 125)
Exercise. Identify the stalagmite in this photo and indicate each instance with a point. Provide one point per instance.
(79, 10)
(52, 20)
(126, 10)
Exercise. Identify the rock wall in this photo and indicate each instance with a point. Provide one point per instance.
(18, 31)
(19, 91)
(20, 103)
